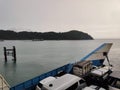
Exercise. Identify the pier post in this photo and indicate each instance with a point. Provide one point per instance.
(14, 53)
(5, 54)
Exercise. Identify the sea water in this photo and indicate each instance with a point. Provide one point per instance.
(37, 57)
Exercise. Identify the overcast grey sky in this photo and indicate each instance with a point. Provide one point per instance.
(99, 18)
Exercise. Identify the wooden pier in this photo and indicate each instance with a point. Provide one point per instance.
(10, 52)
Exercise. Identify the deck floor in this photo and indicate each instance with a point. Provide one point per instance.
(3, 84)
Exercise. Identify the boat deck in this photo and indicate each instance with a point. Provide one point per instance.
(3, 84)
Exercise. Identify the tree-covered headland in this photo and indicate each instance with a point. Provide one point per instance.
(25, 35)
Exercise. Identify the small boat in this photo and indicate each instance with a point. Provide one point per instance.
(37, 39)
(87, 74)
(1, 40)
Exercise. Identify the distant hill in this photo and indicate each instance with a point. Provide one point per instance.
(24, 35)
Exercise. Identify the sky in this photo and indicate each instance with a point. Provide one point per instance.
(99, 18)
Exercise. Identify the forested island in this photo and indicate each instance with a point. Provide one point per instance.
(25, 35)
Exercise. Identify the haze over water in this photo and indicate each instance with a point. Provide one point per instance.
(37, 57)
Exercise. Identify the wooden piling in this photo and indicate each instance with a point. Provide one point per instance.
(14, 53)
(5, 54)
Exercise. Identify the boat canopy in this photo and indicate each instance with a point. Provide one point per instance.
(98, 55)
(101, 71)
(62, 83)
(48, 79)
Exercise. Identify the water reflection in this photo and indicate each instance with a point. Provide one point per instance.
(10, 67)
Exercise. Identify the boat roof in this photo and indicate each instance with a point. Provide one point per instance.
(48, 79)
(101, 71)
(62, 82)
(98, 54)
(82, 63)
(115, 74)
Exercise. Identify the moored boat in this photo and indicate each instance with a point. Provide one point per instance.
(90, 68)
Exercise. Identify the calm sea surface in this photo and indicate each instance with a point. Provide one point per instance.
(37, 57)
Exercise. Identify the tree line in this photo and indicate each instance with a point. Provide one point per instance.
(25, 35)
